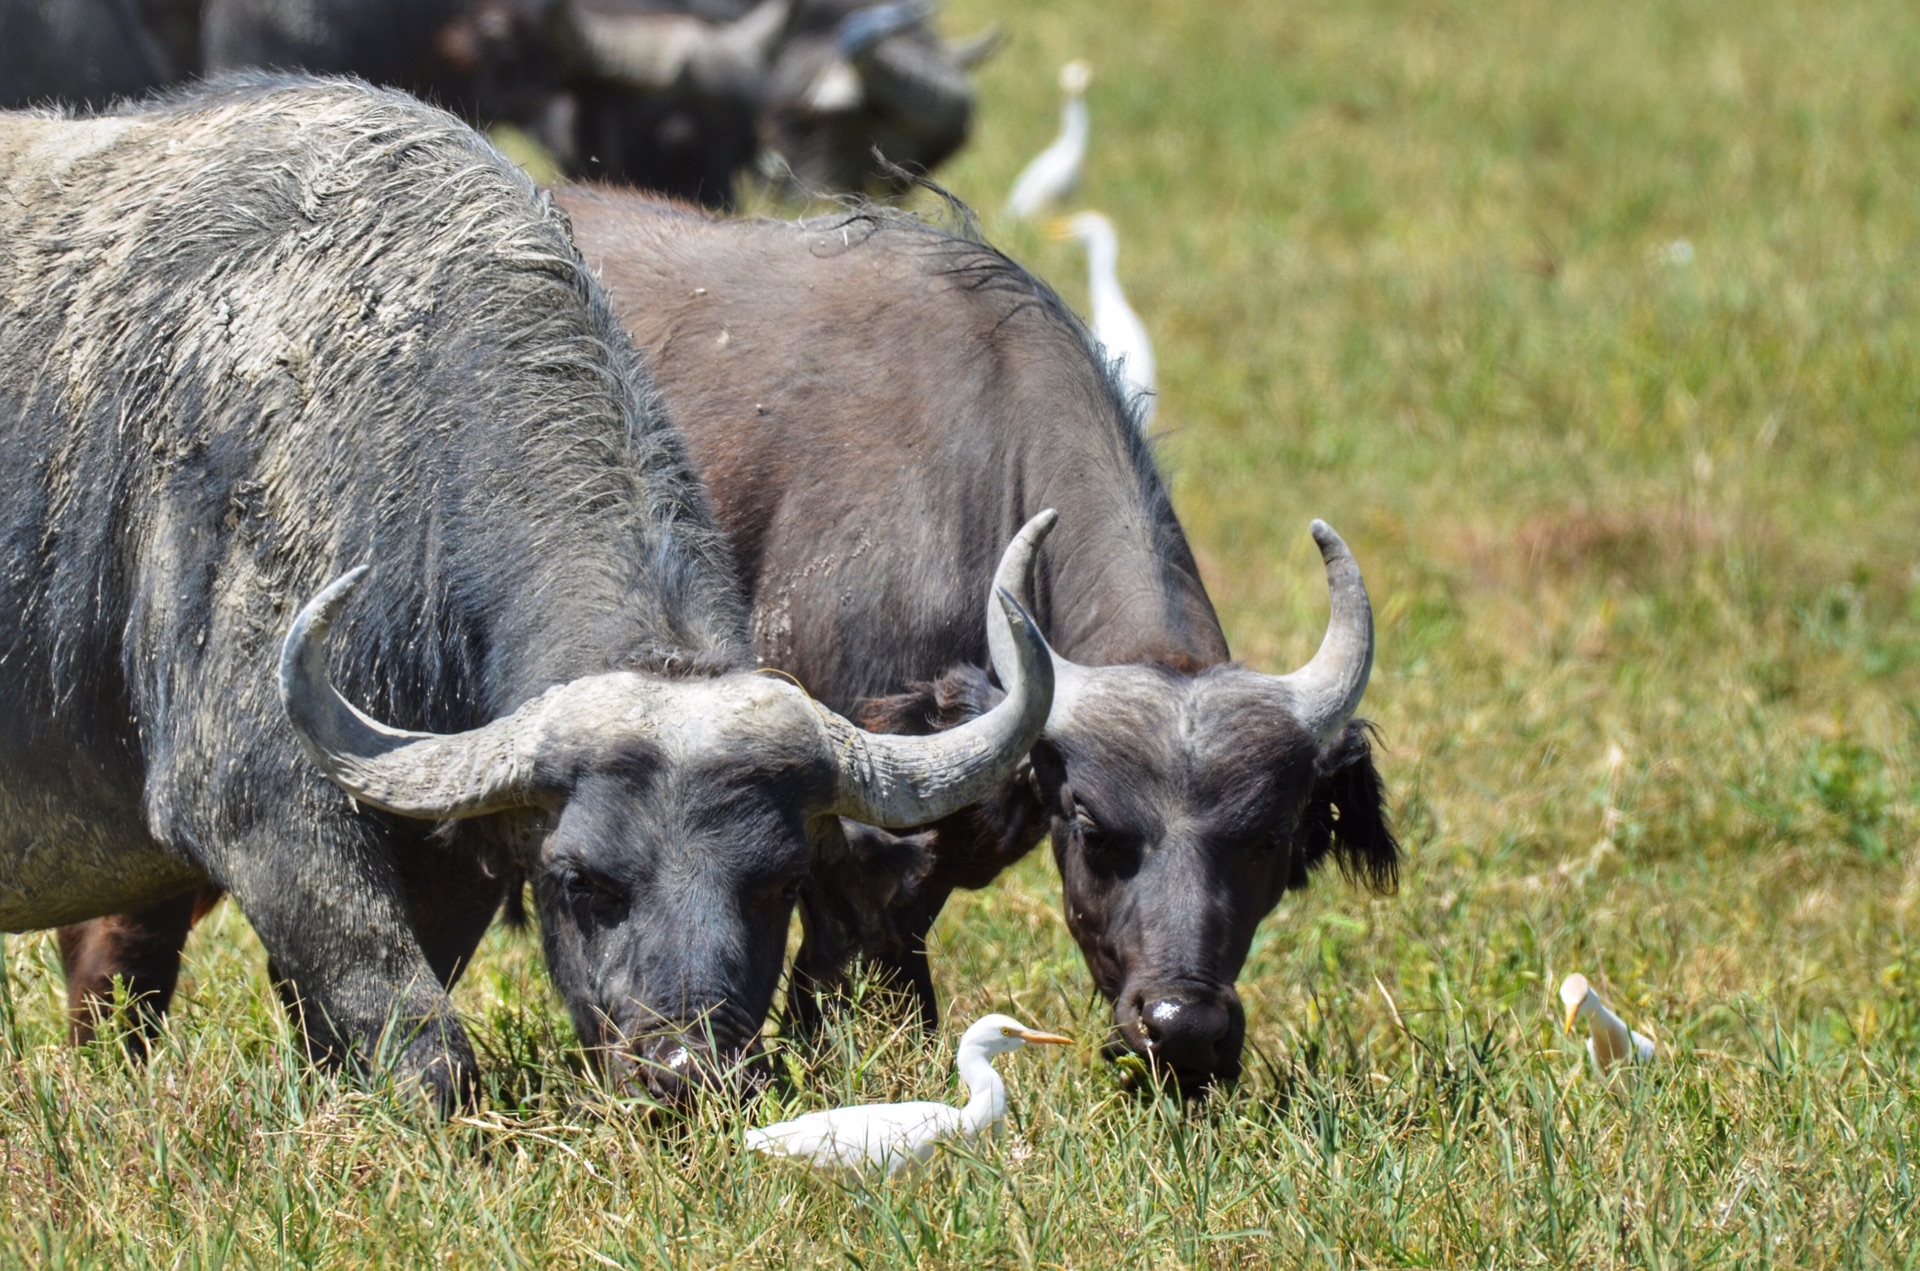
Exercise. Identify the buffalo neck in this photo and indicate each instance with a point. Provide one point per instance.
(1117, 582)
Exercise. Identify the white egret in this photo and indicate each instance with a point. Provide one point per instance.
(893, 1138)
(1115, 324)
(1609, 1040)
(1055, 171)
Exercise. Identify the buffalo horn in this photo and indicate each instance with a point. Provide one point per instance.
(896, 782)
(1327, 690)
(882, 779)
(429, 775)
(650, 52)
(975, 49)
(1015, 576)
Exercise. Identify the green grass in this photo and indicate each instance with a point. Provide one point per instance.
(1640, 524)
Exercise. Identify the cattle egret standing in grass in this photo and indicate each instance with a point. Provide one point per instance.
(1609, 1040)
(1055, 171)
(892, 1138)
(1115, 324)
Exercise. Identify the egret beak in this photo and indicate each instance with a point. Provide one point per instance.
(1573, 1015)
(1058, 230)
(1045, 1039)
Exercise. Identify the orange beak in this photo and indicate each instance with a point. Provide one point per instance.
(1045, 1039)
(1573, 1014)
(1058, 230)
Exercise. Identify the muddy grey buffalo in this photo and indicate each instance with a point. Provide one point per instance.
(262, 337)
(876, 404)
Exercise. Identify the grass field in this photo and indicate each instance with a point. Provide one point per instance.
(1595, 329)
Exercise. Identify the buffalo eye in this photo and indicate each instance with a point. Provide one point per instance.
(593, 893)
(783, 891)
(1100, 847)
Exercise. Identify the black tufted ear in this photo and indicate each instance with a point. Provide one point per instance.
(932, 706)
(1347, 812)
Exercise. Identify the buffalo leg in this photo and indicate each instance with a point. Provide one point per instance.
(142, 951)
(343, 951)
(889, 938)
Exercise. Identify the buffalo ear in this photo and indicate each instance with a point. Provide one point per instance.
(1347, 812)
(932, 706)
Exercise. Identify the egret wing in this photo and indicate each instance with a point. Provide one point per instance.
(1125, 338)
(1047, 178)
(889, 1136)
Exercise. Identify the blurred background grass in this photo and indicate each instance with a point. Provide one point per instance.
(1593, 329)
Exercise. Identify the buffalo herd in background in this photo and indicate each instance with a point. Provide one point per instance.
(674, 96)
(604, 455)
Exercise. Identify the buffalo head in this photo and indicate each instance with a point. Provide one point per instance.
(852, 77)
(670, 823)
(660, 96)
(1182, 805)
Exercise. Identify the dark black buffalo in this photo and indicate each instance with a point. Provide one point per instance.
(260, 336)
(850, 78)
(672, 95)
(652, 95)
(876, 405)
(77, 51)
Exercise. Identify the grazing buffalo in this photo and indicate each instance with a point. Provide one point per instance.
(643, 93)
(673, 95)
(851, 77)
(875, 405)
(267, 334)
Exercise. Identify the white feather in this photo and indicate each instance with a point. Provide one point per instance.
(891, 1139)
(1115, 324)
(1609, 1041)
(1055, 171)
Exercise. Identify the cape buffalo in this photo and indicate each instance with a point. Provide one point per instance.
(673, 95)
(849, 78)
(875, 405)
(267, 334)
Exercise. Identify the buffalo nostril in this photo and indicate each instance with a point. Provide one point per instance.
(671, 1072)
(1185, 1035)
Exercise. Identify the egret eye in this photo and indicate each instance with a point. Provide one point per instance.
(1006, 1032)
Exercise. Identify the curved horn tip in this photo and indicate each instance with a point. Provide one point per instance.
(975, 49)
(1332, 546)
(325, 607)
(311, 624)
(1016, 613)
(1036, 530)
